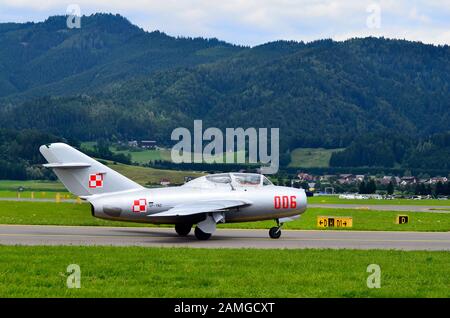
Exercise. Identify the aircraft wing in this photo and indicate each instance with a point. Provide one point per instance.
(202, 207)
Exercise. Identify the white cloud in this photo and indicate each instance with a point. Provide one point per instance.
(415, 15)
(257, 21)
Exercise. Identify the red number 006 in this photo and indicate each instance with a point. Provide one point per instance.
(285, 202)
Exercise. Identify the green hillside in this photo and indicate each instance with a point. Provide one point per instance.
(47, 58)
(144, 156)
(311, 157)
(148, 176)
(141, 156)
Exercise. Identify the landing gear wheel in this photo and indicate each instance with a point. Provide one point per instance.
(199, 234)
(275, 232)
(183, 229)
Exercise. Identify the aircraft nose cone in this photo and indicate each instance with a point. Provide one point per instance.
(301, 198)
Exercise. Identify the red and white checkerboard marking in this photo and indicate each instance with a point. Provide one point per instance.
(96, 180)
(140, 206)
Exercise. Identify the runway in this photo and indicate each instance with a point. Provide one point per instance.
(223, 238)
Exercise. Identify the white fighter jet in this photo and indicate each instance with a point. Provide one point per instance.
(204, 201)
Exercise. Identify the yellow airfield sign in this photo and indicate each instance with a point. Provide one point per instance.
(333, 221)
(401, 219)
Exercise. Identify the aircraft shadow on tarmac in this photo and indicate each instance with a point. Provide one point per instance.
(175, 238)
(146, 233)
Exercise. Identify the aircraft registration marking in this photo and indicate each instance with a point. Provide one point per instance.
(285, 202)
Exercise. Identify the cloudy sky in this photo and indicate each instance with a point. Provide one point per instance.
(252, 22)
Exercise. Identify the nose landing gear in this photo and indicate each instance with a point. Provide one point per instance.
(275, 232)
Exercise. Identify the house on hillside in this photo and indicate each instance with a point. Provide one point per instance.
(164, 182)
(435, 180)
(346, 178)
(359, 177)
(386, 180)
(408, 180)
(147, 144)
(305, 177)
(133, 143)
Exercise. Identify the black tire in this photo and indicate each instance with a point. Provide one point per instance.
(199, 234)
(183, 229)
(275, 232)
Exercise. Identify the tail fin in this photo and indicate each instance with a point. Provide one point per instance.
(82, 175)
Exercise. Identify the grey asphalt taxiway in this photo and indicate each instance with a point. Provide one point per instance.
(223, 238)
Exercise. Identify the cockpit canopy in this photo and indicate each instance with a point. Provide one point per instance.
(230, 179)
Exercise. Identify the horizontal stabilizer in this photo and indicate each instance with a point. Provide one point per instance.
(202, 207)
(68, 165)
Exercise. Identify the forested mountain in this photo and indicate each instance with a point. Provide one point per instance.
(323, 93)
(390, 150)
(19, 154)
(383, 100)
(47, 58)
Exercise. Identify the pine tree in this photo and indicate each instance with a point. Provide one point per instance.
(362, 188)
(371, 187)
(439, 188)
(390, 188)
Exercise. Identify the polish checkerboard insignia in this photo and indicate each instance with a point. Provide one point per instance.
(96, 180)
(140, 206)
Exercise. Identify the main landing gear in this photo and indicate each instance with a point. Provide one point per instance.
(203, 229)
(200, 235)
(275, 232)
(183, 229)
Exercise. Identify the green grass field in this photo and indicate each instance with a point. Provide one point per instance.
(144, 175)
(50, 213)
(144, 156)
(336, 200)
(138, 156)
(47, 213)
(173, 272)
(36, 195)
(311, 157)
(31, 185)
